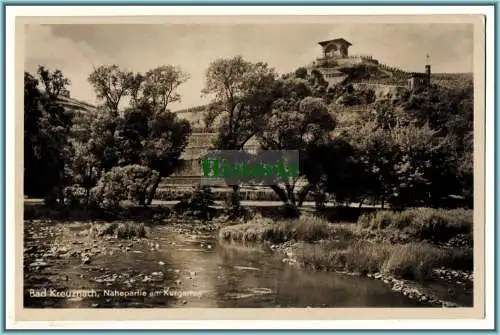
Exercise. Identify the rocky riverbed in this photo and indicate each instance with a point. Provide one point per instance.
(177, 265)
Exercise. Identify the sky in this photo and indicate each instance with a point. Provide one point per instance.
(76, 48)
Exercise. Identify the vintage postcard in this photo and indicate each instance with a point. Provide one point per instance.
(311, 167)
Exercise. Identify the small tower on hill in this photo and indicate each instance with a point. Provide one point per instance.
(335, 48)
(428, 70)
(419, 80)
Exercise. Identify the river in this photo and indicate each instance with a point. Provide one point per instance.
(179, 269)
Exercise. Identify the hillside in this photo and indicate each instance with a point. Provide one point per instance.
(361, 72)
(75, 105)
(359, 69)
(453, 80)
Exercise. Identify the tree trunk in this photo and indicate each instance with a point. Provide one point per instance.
(303, 193)
(87, 195)
(151, 194)
(290, 194)
(280, 192)
(361, 203)
(87, 187)
(142, 199)
(236, 189)
(288, 198)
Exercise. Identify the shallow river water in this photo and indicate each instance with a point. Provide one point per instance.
(173, 269)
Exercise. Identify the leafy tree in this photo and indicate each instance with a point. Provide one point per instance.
(280, 112)
(419, 151)
(301, 73)
(33, 113)
(144, 133)
(201, 203)
(297, 121)
(162, 147)
(96, 148)
(160, 86)
(378, 154)
(47, 126)
(111, 85)
(335, 168)
(449, 112)
(242, 93)
(211, 114)
(318, 83)
(405, 163)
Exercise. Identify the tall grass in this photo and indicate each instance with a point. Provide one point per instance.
(411, 225)
(307, 228)
(352, 247)
(410, 261)
(109, 229)
(124, 230)
(129, 230)
(436, 225)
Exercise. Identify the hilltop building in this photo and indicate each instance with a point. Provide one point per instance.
(419, 80)
(336, 60)
(338, 47)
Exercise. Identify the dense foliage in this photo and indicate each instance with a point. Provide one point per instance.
(413, 148)
(118, 151)
(46, 129)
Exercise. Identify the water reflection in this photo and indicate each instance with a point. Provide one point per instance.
(293, 287)
(208, 274)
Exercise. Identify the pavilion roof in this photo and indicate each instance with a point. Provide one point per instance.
(336, 40)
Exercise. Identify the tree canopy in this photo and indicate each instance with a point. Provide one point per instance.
(410, 150)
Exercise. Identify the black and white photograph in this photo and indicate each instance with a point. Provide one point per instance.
(123, 209)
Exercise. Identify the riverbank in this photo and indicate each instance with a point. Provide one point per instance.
(452, 291)
(176, 264)
(425, 254)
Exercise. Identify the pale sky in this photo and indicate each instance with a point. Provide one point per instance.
(75, 49)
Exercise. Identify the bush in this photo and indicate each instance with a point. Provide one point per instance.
(168, 194)
(320, 199)
(131, 182)
(232, 206)
(124, 230)
(301, 72)
(129, 230)
(75, 196)
(200, 204)
(290, 211)
(378, 220)
(181, 207)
